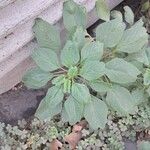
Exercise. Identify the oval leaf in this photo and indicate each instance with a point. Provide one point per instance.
(110, 32)
(129, 15)
(120, 99)
(73, 16)
(46, 112)
(54, 96)
(47, 35)
(121, 71)
(100, 86)
(36, 78)
(79, 37)
(92, 51)
(46, 59)
(92, 70)
(96, 113)
(103, 10)
(140, 56)
(70, 54)
(133, 39)
(74, 110)
(78, 90)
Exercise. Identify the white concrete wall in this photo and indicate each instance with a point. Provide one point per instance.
(16, 21)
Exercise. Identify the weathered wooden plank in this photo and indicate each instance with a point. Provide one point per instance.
(16, 58)
(11, 78)
(23, 34)
(20, 12)
(4, 3)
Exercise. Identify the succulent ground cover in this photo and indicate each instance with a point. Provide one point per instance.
(54, 134)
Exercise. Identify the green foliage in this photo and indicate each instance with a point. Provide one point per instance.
(100, 111)
(144, 145)
(121, 71)
(120, 99)
(70, 49)
(133, 38)
(46, 59)
(73, 16)
(92, 51)
(38, 134)
(103, 11)
(118, 130)
(110, 33)
(147, 77)
(90, 76)
(73, 109)
(129, 15)
(44, 33)
(36, 78)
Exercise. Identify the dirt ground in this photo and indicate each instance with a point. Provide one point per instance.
(18, 104)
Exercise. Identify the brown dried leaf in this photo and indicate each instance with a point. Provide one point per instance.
(55, 145)
(73, 139)
(78, 127)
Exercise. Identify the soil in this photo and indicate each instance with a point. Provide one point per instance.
(18, 104)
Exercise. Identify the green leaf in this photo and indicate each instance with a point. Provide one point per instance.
(138, 96)
(54, 96)
(147, 77)
(144, 145)
(100, 86)
(74, 110)
(73, 16)
(36, 78)
(92, 51)
(147, 50)
(78, 90)
(103, 10)
(47, 35)
(137, 64)
(79, 37)
(92, 70)
(148, 91)
(120, 71)
(120, 99)
(117, 15)
(70, 54)
(64, 115)
(145, 6)
(140, 56)
(133, 39)
(129, 15)
(110, 32)
(58, 80)
(46, 59)
(46, 112)
(96, 113)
